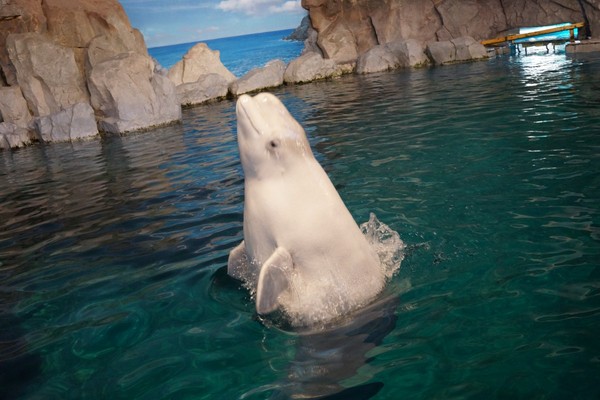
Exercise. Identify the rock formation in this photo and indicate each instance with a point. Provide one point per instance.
(312, 66)
(348, 29)
(57, 55)
(402, 54)
(271, 75)
(46, 72)
(300, 34)
(192, 77)
(208, 87)
(72, 123)
(127, 95)
(456, 50)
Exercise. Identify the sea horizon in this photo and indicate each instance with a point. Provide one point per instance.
(239, 54)
(219, 38)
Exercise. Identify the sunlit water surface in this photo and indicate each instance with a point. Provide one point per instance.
(112, 252)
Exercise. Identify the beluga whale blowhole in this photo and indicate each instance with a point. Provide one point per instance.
(302, 253)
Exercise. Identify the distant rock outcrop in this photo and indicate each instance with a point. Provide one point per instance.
(191, 75)
(300, 34)
(347, 29)
(271, 75)
(59, 54)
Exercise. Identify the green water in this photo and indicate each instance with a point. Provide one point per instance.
(112, 252)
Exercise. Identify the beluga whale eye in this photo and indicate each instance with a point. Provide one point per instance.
(274, 143)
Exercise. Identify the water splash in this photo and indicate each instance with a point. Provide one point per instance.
(386, 242)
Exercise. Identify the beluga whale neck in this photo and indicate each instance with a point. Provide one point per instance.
(302, 253)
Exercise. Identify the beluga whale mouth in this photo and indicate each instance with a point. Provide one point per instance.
(302, 254)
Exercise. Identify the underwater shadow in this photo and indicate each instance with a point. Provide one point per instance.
(325, 359)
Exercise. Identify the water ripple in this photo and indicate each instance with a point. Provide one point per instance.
(113, 252)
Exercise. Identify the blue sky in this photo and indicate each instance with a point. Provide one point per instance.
(165, 22)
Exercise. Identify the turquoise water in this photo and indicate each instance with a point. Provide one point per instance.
(239, 54)
(113, 252)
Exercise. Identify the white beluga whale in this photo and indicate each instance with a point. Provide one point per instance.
(302, 252)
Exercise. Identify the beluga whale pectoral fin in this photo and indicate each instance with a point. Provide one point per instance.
(237, 264)
(273, 280)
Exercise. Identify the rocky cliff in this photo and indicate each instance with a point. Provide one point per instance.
(69, 64)
(349, 28)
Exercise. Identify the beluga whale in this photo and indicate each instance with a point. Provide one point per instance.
(302, 252)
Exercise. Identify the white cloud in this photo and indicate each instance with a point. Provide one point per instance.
(289, 6)
(253, 7)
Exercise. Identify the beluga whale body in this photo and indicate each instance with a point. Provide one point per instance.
(302, 252)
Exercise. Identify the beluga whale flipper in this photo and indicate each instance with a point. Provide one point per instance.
(302, 252)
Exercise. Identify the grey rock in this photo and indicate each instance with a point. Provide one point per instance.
(46, 72)
(312, 66)
(456, 50)
(128, 95)
(271, 75)
(12, 136)
(399, 54)
(73, 123)
(198, 61)
(377, 59)
(410, 53)
(13, 107)
(468, 49)
(208, 87)
(441, 52)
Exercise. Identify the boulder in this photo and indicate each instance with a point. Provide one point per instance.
(379, 58)
(46, 72)
(12, 136)
(198, 61)
(312, 66)
(441, 52)
(13, 107)
(468, 49)
(399, 54)
(410, 52)
(73, 123)
(128, 95)
(456, 50)
(271, 75)
(208, 87)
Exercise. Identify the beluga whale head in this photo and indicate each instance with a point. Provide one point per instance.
(302, 254)
(271, 141)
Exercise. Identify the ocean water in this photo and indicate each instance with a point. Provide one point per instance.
(113, 251)
(239, 54)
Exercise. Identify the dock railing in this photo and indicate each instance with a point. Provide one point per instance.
(511, 38)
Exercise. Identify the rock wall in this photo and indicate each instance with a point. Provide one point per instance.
(349, 28)
(49, 52)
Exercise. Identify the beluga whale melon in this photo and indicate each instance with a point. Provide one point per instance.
(302, 253)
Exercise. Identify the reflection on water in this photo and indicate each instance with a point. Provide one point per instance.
(490, 172)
